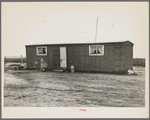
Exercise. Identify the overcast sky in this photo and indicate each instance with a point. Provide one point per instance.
(25, 23)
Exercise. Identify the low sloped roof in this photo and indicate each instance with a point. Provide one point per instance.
(97, 43)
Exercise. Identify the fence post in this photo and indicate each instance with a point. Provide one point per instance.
(21, 59)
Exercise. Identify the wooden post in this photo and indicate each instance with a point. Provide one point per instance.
(5, 59)
(21, 59)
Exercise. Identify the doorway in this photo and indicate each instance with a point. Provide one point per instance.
(63, 60)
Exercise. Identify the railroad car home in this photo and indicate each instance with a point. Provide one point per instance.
(88, 57)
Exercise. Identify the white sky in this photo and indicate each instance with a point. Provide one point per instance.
(25, 23)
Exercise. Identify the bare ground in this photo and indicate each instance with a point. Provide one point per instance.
(32, 88)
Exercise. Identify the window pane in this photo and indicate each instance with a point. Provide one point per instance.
(99, 50)
(44, 50)
(92, 49)
(40, 51)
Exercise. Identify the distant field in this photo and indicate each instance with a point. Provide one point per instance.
(14, 60)
(136, 61)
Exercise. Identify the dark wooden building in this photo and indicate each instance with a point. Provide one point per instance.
(87, 57)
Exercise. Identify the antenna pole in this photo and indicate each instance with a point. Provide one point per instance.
(96, 29)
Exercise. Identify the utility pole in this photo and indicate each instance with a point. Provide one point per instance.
(96, 30)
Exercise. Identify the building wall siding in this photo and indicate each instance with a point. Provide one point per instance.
(80, 58)
(128, 57)
(116, 58)
(30, 57)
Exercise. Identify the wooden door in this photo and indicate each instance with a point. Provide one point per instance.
(63, 60)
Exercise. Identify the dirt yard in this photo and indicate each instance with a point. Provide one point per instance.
(33, 88)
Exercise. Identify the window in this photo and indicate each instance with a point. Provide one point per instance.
(41, 50)
(96, 50)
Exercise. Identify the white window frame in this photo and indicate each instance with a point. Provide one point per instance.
(97, 54)
(41, 47)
